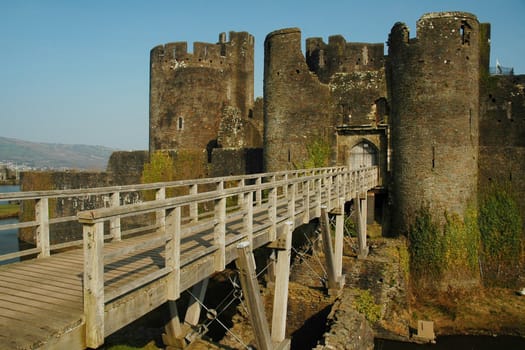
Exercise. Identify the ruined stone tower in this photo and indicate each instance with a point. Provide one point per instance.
(190, 91)
(298, 110)
(434, 94)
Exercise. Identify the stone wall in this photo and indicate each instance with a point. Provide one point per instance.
(434, 96)
(125, 168)
(229, 161)
(61, 180)
(502, 135)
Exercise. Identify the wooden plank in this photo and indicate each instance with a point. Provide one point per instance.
(66, 283)
(36, 294)
(28, 286)
(282, 275)
(53, 319)
(134, 305)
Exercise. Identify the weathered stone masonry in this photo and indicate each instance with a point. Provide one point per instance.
(434, 94)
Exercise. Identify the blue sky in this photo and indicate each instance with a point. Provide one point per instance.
(78, 71)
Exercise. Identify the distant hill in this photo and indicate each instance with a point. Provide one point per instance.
(53, 155)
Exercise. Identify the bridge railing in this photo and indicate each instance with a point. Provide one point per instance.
(49, 218)
(225, 209)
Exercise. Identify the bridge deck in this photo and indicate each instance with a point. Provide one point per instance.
(42, 299)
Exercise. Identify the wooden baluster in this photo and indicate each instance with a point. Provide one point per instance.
(94, 283)
(160, 215)
(291, 190)
(194, 206)
(219, 230)
(114, 222)
(42, 230)
(285, 188)
(272, 211)
(240, 197)
(319, 197)
(282, 277)
(173, 231)
(247, 217)
(306, 201)
(258, 192)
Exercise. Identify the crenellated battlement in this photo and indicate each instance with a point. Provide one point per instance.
(340, 56)
(215, 55)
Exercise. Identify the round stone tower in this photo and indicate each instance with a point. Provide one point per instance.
(434, 93)
(189, 91)
(298, 109)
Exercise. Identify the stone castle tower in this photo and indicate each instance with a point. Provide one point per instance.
(434, 93)
(297, 109)
(189, 92)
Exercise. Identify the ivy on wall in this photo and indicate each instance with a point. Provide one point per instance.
(500, 226)
(318, 155)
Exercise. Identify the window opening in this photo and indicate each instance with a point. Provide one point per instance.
(180, 123)
(465, 33)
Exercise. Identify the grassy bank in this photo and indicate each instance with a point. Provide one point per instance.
(8, 211)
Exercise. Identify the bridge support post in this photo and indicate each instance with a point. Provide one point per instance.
(193, 312)
(334, 283)
(174, 336)
(339, 238)
(361, 210)
(246, 264)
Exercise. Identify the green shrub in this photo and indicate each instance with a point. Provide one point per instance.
(365, 304)
(500, 227)
(318, 155)
(425, 246)
(461, 243)
(159, 169)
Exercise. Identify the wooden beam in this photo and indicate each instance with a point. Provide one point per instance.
(174, 336)
(280, 300)
(194, 206)
(193, 312)
(252, 295)
(94, 283)
(219, 231)
(114, 223)
(42, 230)
(173, 247)
(306, 201)
(361, 226)
(334, 284)
(339, 239)
(247, 216)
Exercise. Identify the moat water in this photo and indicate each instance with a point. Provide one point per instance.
(8, 238)
(459, 342)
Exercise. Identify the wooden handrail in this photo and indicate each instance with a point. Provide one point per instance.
(256, 183)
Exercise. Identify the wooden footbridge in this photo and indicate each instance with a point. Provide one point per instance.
(134, 257)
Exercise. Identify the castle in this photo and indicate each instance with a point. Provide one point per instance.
(428, 114)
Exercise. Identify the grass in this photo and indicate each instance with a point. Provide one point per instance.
(9, 211)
